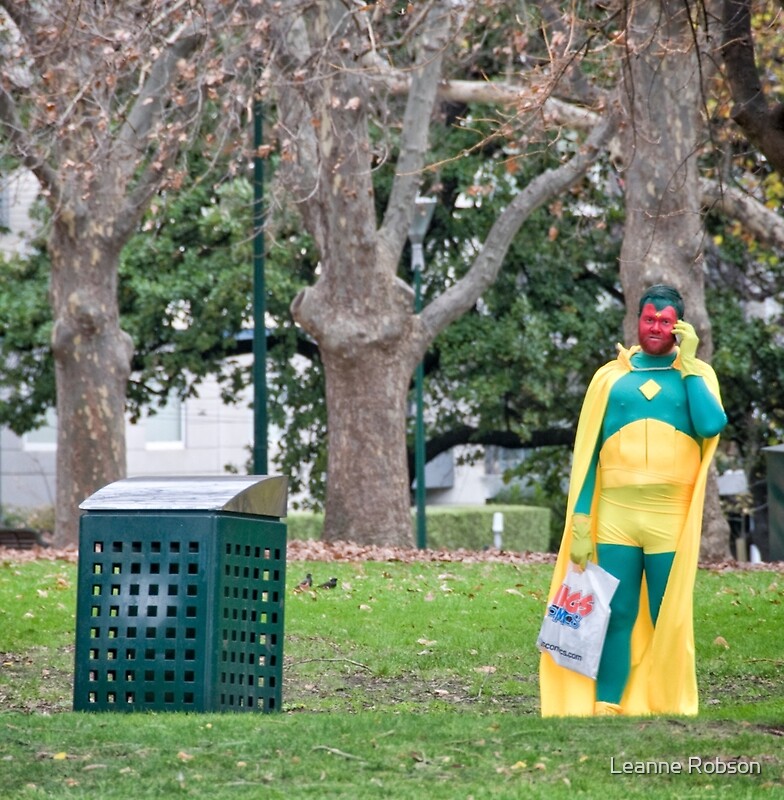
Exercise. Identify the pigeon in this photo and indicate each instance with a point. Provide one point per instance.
(330, 584)
(305, 583)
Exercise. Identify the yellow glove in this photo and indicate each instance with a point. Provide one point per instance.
(582, 543)
(688, 346)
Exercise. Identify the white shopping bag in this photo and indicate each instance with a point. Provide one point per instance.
(575, 624)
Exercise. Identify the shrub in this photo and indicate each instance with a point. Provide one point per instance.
(451, 527)
(304, 525)
(526, 528)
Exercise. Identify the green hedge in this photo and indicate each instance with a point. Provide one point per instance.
(453, 527)
(304, 525)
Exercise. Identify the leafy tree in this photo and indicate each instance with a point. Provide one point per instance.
(26, 366)
(518, 362)
(185, 297)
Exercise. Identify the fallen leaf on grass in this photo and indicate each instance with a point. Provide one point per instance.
(720, 641)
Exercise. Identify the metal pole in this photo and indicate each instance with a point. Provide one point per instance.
(259, 302)
(423, 213)
(418, 264)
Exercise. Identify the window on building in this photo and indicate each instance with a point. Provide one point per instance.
(165, 429)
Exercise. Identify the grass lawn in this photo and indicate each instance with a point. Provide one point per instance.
(408, 680)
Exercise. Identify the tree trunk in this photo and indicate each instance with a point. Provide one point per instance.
(663, 233)
(92, 362)
(358, 311)
(368, 497)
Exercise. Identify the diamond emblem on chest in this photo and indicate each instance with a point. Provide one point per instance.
(650, 389)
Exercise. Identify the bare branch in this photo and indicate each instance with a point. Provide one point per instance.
(23, 146)
(154, 95)
(766, 226)
(416, 125)
(496, 93)
(504, 94)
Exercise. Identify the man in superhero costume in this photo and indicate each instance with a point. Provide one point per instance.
(647, 432)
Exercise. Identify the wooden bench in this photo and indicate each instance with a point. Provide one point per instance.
(20, 538)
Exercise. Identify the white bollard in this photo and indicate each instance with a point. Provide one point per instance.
(498, 529)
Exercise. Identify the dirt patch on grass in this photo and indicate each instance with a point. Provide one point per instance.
(39, 681)
(361, 691)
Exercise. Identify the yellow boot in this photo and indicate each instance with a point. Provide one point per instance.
(602, 709)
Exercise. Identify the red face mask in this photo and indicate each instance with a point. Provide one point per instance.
(655, 329)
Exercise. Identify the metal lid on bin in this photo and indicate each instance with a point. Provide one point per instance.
(261, 495)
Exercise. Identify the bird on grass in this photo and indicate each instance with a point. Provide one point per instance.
(330, 584)
(305, 583)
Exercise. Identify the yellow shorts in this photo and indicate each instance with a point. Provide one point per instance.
(650, 516)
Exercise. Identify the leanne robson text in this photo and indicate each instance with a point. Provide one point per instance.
(694, 765)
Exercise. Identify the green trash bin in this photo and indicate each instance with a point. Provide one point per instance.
(180, 595)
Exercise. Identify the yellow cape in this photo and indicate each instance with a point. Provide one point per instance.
(663, 678)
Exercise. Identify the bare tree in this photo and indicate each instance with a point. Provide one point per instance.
(359, 311)
(98, 99)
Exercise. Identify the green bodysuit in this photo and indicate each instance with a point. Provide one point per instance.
(649, 454)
